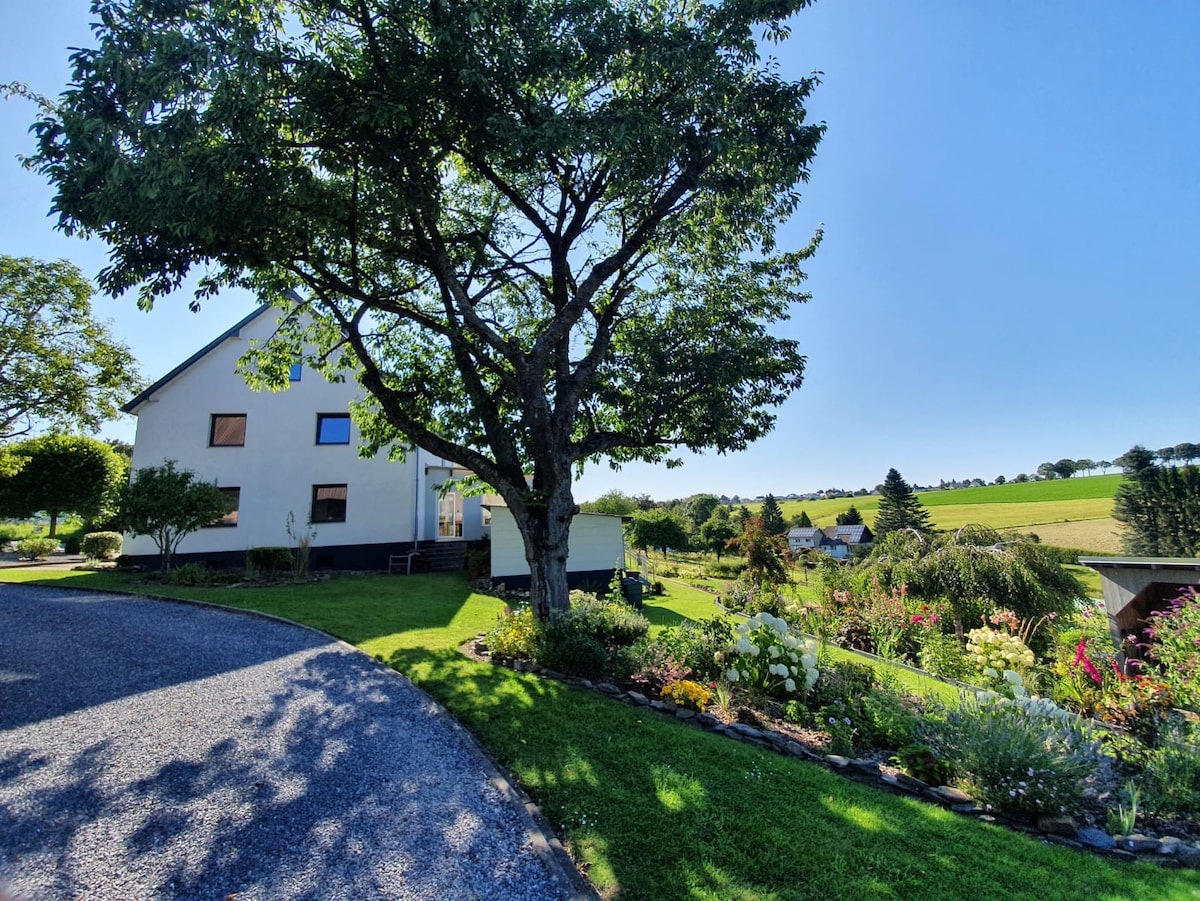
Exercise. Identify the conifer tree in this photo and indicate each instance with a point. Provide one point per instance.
(772, 516)
(850, 518)
(899, 508)
(802, 521)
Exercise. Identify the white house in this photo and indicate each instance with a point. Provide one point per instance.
(597, 548)
(291, 452)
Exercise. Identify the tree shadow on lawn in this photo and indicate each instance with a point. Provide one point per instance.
(356, 608)
(660, 810)
(342, 782)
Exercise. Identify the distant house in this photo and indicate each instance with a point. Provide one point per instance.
(806, 538)
(854, 536)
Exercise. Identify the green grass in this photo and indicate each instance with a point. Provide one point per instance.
(657, 810)
(1027, 506)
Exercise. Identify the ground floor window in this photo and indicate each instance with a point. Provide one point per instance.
(233, 500)
(328, 503)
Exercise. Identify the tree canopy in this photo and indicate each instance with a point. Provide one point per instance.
(659, 529)
(539, 233)
(168, 504)
(899, 507)
(60, 474)
(717, 531)
(1158, 506)
(850, 517)
(771, 515)
(59, 367)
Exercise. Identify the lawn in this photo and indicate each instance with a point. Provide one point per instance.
(653, 809)
(1056, 510)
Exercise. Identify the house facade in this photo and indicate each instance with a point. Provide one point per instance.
(291, 452)
(808, 538)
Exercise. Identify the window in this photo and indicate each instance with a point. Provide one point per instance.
(227, 430)
(233, 499)
(333, 428)
(294, 372)
(328, 503)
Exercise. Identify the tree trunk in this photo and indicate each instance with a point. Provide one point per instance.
(545, 532)
(53, 524)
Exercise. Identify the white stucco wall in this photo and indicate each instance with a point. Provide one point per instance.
(597, 543)
(280, 462)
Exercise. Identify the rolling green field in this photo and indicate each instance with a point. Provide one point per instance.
(1064, 512)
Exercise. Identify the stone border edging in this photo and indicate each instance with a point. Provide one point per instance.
(546, 845)
(1168, 852)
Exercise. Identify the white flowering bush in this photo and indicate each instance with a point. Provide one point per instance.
(991, 649)
(766, 657)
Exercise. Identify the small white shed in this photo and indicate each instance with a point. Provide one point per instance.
(597, 547)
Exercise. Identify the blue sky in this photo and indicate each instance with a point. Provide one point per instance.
(1010, 272)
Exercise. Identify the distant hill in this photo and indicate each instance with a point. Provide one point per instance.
(1074, 512)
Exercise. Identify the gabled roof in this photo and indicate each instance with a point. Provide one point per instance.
(850, 534)
(186, 364)
(803, 532)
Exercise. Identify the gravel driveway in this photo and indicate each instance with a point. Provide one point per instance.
(151, 750)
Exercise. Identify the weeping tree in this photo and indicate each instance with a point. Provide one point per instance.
(538, 233)
(976, 570)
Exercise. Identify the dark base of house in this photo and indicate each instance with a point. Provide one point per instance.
(593, 580)
(448, 556)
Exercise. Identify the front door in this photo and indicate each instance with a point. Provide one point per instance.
(450, 515)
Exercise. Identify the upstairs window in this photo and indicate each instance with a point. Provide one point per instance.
(227, 430)
(328, 503)
(233, 499)
(333, 428)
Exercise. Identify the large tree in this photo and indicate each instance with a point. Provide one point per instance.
(850, 518)
(540, 232)
(1158, 506)
(717, 531)
(62, 474)
(660, 529)
(899, 507)
(59, 367)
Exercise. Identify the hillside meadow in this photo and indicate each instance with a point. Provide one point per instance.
(1074, 512)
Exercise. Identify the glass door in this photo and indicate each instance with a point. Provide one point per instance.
(450, 515)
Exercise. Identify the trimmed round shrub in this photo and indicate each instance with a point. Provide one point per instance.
(101, 545)
(37, 548)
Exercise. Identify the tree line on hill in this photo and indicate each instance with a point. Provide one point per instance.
(702, 522)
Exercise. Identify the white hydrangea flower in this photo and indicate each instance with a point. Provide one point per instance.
(743, 645)
(790, 685)
(732, 674)
(755, 650)
(810, 678)
(773, 651)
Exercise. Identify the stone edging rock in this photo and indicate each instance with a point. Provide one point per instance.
(1169, 852)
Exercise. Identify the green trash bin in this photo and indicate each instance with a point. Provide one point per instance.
(632, 590)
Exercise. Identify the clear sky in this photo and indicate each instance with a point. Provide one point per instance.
(1011, 268)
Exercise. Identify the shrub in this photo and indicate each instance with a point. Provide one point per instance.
(612, 624)
(268, 560)
(920, 762)
(997, 650)
(698, 649)
(888, 719)
(768, 658)
(189, 574)
(1024, 758)
(1171, 775)
(1174, 636)
(72, 543)
(515, 635)
(101, 545)
(562, 648)
(585, 640)
(724, 569)
(124, 561)
(37, 548)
